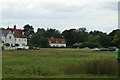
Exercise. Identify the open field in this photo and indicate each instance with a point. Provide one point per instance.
(59, 63)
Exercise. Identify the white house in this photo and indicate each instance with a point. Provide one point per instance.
(13, 37)
(57, 42)
(20, 38)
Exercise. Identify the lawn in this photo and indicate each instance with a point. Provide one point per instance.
(59, 63)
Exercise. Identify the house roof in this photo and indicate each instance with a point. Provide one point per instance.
(57, 40)
(17, 32)
(5, 32)
(77, 44)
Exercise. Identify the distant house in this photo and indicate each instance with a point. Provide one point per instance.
(77, 45)
(57, 42)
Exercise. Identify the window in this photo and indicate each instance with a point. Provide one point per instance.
(9, 37)
(57, 41)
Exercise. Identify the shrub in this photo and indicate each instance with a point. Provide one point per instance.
(16, 44)
(7, 44)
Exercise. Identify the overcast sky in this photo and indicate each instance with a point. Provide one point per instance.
(60, 14)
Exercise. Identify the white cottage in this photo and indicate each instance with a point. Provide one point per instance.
(57, 42)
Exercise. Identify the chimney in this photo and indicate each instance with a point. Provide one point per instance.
(14, 26)
(8, 27)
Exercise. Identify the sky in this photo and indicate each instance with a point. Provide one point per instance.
(60, 14)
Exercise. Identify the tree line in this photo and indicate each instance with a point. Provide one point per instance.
(81, 37)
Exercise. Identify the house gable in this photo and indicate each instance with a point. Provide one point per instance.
(18, 33)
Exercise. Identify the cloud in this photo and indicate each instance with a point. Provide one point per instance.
(61, 15)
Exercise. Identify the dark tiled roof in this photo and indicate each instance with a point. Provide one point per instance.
(57, 40)
(17, 33)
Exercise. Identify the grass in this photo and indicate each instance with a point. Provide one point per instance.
(58, 63)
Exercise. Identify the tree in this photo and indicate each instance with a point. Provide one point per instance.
(111, 36)
(116, 39)
(73, 36)
(28, 31)
(98, 39)
(95, 33)
(35, 39)
(82, 35)
(38, 39)
(52, 33)
(69, 36)
(104, 40)
(44, 43)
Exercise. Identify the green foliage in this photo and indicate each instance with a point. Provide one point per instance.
(75, 36)
(52, 33)
(7, 44)
(104, 40)
(98, 39)
(40, 38)
(116, 39)
(16, 44)
(28, 31)
(90, 39)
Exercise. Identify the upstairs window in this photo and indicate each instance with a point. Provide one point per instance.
(25, 40)
(9, 37)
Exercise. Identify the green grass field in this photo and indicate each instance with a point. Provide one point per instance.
(59, 63)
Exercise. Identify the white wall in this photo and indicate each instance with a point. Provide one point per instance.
(3, 38)
(10, 39)
(57, 45)
(1, 45)
(21, 41)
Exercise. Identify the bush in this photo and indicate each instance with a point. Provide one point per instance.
(16, 44)
(92, 45)
(7, 44)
